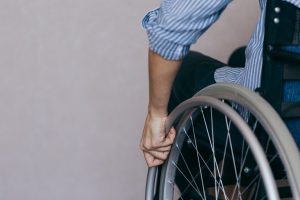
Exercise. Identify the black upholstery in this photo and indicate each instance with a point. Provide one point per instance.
(282, 29)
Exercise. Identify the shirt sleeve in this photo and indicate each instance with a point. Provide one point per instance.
(177, 24)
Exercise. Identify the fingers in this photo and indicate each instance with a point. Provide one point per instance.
(160, 149)
(156, 154)
(167, 141)
(151, 160)
(170, 137)
(155, 144)
(159, 155)
(162, 146)
(163, 149)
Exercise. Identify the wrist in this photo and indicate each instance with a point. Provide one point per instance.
(157, 112)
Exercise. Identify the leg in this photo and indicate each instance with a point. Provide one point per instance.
(196, 72)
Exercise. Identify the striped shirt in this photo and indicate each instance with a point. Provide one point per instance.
(177, 24)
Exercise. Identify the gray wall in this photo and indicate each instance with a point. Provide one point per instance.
(73, 94)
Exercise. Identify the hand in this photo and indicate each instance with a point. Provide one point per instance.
(155, 143)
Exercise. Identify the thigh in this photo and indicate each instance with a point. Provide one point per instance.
(195, 73)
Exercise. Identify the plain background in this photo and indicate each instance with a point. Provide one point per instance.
(73, 94)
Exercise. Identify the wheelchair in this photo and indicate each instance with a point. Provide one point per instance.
(233, 143)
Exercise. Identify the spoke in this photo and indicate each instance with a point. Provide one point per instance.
(256, 168)
(250, 184)
(212, 127)
(257, 176)
(257, 187)
(254, 126)
(213, 151)
(242, 155)
(267, 146)
(208, 135)
(273, 158)
(241, 169)
(228, 124)
(197, 174)
(223, 161)
(213, 147)
(187, 167)
(243, 148)
(264, 197)
(199, 165)
(186, 179)
(215, 173)
(198, 154)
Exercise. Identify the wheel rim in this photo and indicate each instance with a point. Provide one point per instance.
(214, 168)
(272, 123)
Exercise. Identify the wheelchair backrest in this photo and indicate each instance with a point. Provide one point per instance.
(280, 65)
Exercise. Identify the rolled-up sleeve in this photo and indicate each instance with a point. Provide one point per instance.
(177, 24)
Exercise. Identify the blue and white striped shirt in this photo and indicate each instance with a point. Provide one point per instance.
(177, 24)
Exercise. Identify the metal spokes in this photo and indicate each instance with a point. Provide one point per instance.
(214, 161)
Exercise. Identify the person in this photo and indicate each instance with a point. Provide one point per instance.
(171, 30)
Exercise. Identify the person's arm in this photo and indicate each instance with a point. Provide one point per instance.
(155, 143)
(171, 30)
(162, 73)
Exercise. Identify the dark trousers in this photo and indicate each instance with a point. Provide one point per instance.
(195, 73)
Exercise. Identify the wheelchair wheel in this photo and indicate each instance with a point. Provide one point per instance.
(218, 154)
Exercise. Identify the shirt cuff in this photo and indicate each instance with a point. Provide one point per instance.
(162, 46)
(167, 49)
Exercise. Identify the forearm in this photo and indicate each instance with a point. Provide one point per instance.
(172, 40)
(162, 73)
